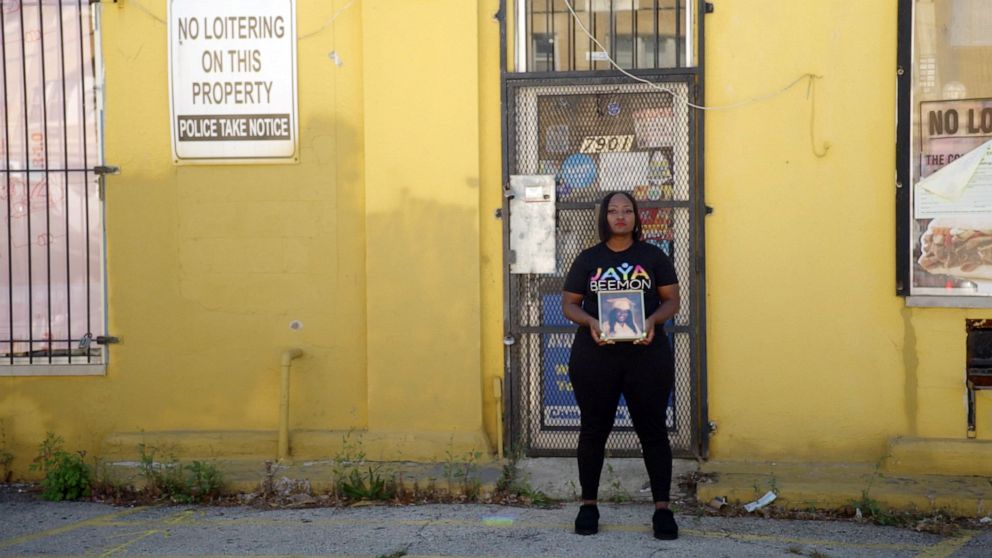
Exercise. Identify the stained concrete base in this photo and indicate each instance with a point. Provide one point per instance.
(939, 456)
(798, 485)
(622, 479)
(833, 485)
(319, 476)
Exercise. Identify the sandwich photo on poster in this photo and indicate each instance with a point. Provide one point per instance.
(953, 208)
(621, 315)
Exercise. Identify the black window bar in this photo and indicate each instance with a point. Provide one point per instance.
(51, 233)
(616, 24)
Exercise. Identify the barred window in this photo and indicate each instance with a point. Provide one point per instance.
(583, 35)
(51, 213)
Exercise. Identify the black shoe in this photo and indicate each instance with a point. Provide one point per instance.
(664, 525)
(587, 522)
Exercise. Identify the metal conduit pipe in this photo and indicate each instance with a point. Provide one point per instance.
(498, 394)
(287, 360)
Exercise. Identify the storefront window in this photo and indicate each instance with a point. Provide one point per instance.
(950, 151)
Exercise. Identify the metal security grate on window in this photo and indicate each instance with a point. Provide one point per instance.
(595, 138)
(637, 34)
(51, 225)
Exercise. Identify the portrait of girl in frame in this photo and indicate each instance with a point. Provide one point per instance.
(621, 315)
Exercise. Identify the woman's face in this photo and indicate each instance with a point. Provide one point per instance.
(620, 215)
(623, 316)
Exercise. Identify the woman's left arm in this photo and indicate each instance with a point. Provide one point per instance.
(669, 306)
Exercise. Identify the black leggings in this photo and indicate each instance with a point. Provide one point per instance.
(644, 375)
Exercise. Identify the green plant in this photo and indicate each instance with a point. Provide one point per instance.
(347, 462)
(107, 488)
(535, 497)
(186, 484)
(872, 510)
(6, 458)
(511, 484)
(67, 477)
(618, 494)
(354, 479)
(367, 485)
(574, 489)
(161, 478)
(507, 476)
(204, 481)
(463, 471)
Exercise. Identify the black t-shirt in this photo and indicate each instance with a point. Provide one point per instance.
(642, 267)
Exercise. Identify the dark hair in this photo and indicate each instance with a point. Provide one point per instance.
(613, 321)
(604, 225)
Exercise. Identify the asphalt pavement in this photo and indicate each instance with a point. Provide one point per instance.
(32, 527)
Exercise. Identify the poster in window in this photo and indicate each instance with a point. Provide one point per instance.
(952, 201)
(655, 127)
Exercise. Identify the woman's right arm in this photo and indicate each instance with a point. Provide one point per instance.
(571, 305)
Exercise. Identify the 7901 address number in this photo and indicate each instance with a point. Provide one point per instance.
(607, 144)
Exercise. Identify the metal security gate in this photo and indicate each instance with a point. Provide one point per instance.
(596, 135)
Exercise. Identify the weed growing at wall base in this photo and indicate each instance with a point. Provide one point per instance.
(869, 508)
(512, 487)
(872, 510)
(6, 458)
(618, 494)
(355, 480)
(464, 472)
(370, 485)
(184, 484)
(67, 477)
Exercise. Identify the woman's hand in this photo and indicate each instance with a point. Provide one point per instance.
(571, 305)
(597, 335)
(670, 303)
(648, 332)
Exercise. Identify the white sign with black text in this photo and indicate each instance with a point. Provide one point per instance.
(232, 78)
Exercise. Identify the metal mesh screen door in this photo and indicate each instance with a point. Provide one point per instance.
(596, 136)
(51, 225)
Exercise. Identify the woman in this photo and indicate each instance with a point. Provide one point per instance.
(601, 371)
(620, 322)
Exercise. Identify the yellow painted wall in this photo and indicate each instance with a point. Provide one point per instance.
(373, 241)
(422, 215)
(383, 243)
(812, 356)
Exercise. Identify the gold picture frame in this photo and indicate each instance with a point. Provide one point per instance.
(621, 315)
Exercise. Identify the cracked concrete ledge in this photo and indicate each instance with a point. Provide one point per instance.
(837, 485)
(622, 479)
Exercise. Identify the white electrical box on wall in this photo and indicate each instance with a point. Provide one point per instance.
(532, 223)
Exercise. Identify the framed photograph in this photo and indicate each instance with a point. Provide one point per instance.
(621, 315)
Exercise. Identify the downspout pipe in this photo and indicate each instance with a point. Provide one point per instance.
(287, 361)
